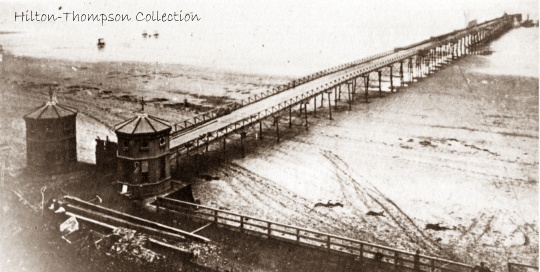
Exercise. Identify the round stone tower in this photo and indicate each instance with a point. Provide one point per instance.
(51, 142)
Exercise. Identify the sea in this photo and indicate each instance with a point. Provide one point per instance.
(286, 38)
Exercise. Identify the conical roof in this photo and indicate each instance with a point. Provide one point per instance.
(50, 110)
(142, 124)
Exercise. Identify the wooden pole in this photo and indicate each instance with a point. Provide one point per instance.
(305, 114)
(380, 78)
(315, 106)
(329, 106)
(366, 85)
(401, 73)
(391, 79)
(290, 117)
(260, 131)
(276, 123)
(350, 98)
(242, 136)
(224, 143)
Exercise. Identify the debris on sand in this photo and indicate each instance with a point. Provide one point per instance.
(437, 227)
(372, 213)
(482, 149)
(328, 204)
(427, 143)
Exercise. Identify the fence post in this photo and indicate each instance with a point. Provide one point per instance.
(297, 235)
(328, 242)
(432, 265)
(361, 253)
(215, 217)
(396, 259)
(269, 229)
(241, 224)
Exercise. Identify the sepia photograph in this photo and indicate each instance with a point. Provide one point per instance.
(269, 135)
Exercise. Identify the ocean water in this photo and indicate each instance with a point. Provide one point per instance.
(266, 37)
(515, 53)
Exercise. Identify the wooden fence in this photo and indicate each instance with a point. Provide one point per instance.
(515, 267)
(363, 250)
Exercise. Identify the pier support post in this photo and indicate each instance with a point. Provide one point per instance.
(460, 48)
(290, 117)
(391, 79)
(366, 85)
(242, 136)
(305, 113)
(380, 90)
(410, 70)
(335, 97)
(329, 106)
(260, 131)
(423, 65)
(401, 73)
(315, 106)
(224, 143)
(206, 143)
(276, 123)
(350, 95)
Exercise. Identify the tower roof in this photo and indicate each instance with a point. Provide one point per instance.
(142, 124)
(50, 110)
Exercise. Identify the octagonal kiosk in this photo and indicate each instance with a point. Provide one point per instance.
(143, 167)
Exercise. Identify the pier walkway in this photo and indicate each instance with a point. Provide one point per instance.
(395, 67)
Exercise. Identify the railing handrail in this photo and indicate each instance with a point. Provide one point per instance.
(338, 237)
(184, 124)
(292, 84)
(523, 265)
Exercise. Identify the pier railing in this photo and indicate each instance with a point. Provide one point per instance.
(399, 259)
(193, 122)
(227, 108)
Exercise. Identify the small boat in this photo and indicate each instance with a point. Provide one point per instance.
(145, 34)
(156, 34)
(101, 43)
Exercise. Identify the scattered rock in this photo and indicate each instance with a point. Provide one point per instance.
(372, 213)
(436, 227)
(328, 204)
(427, 143)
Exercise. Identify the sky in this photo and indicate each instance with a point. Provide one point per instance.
(278, 33)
